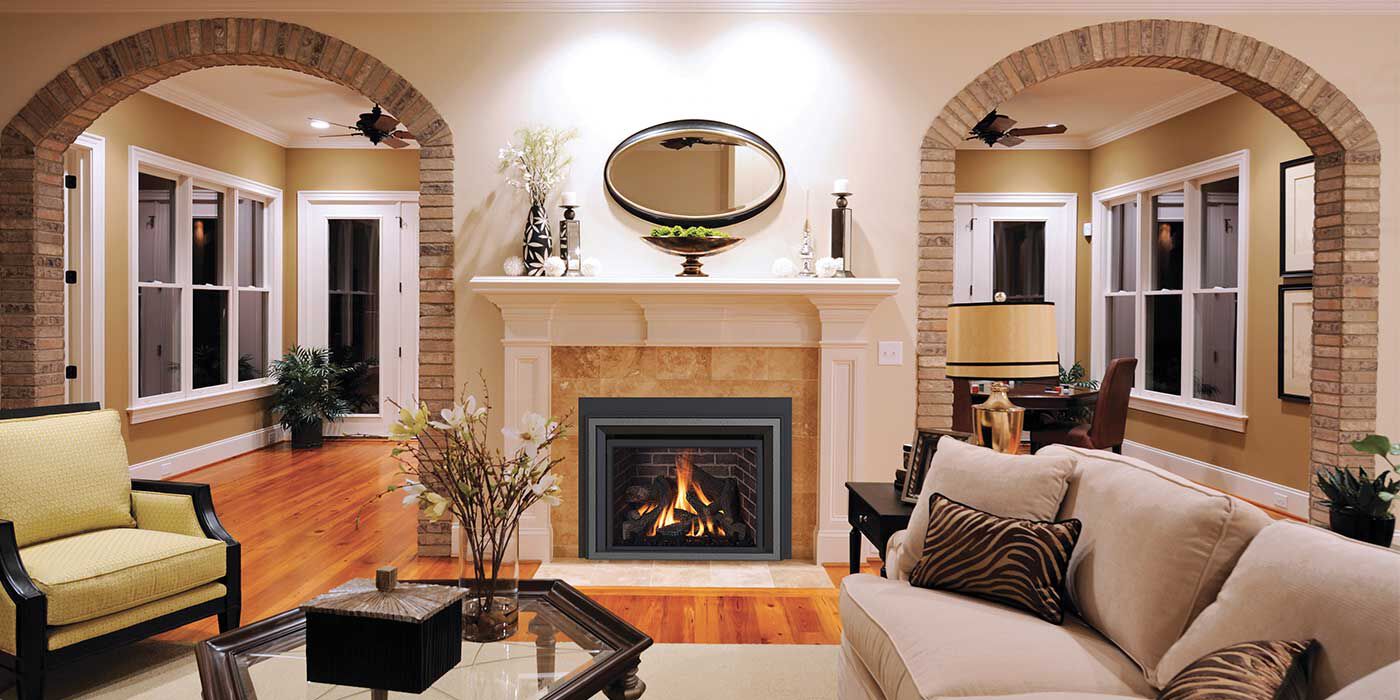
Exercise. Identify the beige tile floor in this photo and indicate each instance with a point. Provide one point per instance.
(699, 574)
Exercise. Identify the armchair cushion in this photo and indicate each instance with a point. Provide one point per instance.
(63, 475)
(166, 512)
(99, 573)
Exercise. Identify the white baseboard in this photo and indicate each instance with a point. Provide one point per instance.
(1286, 499)
(833, 546)
(186, 460)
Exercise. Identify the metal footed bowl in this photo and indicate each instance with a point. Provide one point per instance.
(692, 249)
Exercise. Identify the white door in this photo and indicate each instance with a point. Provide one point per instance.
(358, 297)
(1024, 251)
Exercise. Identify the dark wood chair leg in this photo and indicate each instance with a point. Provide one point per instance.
(229, 619)
(1118, 449)
(29, 680)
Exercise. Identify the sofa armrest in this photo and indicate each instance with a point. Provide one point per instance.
(195, 506)
(895, 556)
(29, 606)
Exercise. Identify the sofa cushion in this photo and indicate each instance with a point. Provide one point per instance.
(1263, 670)
(1012, 486)
(64, 474)
(1378, 685)
(1154, 551)
(1017, 562)
(918, 643)
(99, 573)
(1296, 581)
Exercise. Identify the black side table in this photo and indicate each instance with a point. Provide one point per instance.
(874, 510)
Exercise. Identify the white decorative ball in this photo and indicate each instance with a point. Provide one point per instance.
(514, 266)
(783, 267)
(827, 267)
(591, 267)
(554, 266)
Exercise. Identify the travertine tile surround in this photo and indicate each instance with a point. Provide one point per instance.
(611, 372)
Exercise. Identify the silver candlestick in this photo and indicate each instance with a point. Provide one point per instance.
(806, 255)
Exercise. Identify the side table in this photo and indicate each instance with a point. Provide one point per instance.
(873, 508)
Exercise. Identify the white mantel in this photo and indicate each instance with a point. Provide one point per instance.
(830, 314)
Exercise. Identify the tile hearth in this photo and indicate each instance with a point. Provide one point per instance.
(692, 574)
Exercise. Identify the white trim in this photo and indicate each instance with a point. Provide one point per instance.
(877, 7)
(183, 461)
(92, 270)
(189, 174)
(1293, 501)
(1060, 257)
(1184, 407)
(1156, 114)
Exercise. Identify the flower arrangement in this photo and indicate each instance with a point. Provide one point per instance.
(449, 468)
(537, 165)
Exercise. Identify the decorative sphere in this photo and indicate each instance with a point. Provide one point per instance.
(591, 267)
(554, 266)
(514, 266)
(783, 267)
(827, 267)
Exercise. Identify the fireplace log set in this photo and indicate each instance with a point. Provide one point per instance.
(709, 513)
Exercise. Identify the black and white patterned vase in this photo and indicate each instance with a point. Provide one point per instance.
(539, 241)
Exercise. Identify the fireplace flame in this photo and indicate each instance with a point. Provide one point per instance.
(686, 487)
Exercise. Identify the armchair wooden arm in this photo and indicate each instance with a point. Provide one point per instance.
(31, 606)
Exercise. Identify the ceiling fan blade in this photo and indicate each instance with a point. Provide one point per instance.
(1039, 130)
(386, 123)
(394, 142)
(1002, 123)
(1010, 141)
(336, 136)
(402, 135)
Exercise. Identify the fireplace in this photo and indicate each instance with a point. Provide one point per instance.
(685, 478)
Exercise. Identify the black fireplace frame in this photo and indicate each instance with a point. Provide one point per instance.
(601, 418)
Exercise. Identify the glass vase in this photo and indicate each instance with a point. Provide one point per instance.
(491, 609)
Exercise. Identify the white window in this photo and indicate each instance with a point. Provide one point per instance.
(205, 293)
(1169, 288)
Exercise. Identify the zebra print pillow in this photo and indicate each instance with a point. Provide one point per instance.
(1246, 671)
(1020, 563)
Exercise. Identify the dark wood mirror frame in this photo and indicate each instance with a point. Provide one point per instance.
(727, 219)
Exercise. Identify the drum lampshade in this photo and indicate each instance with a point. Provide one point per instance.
(1003, 341)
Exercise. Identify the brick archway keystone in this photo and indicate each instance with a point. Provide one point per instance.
(1346, 281)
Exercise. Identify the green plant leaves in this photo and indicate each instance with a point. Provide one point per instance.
(691, 232)
(1373, 445)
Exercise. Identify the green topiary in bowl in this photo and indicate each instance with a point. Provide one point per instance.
(691, 232)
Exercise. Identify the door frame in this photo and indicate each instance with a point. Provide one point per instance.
(90, 263)
(407, 200)
(1059, 254)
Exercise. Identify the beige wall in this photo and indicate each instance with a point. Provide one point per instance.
(848, 95)
(1275, 443)
(160, 126)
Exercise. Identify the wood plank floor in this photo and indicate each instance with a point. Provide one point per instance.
(295, 515)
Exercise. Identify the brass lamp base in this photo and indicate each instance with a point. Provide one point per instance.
(998, 420)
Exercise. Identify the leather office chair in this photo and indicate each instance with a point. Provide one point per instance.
(1105, 430)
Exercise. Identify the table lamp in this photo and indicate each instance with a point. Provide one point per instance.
(1001, 341)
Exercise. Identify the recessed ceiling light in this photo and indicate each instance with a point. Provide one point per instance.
(319, 123)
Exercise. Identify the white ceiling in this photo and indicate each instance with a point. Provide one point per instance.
(270, 103)
(1156, 8)
(1104, 104)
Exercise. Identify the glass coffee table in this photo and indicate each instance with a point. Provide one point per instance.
(567, 648)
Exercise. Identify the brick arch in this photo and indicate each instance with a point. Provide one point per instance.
(31, 169)
(1346, 278)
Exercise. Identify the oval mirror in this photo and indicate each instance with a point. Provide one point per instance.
(694, 172)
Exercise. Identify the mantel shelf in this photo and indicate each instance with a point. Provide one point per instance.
(856, 286)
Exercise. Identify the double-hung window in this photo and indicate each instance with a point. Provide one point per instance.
(1169, 261)
(205, 289)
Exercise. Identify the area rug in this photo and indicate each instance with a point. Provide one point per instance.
(154, 670)
(691, 574)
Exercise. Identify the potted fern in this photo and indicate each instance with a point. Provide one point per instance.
(308, 393)
(1359, 505)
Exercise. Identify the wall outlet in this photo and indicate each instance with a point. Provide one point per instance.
(1280, 500)
(891, 352)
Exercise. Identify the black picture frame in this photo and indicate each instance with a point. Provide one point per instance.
(1283, 228)
(1283, 291)
(920, 457)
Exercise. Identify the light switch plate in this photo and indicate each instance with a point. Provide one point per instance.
(891, 352)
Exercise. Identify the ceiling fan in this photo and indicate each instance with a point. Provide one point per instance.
(378, 127)
(996, 129)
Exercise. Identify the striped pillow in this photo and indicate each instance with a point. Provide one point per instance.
(1246, 671)
(1021, 563)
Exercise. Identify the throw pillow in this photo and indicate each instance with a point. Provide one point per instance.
(1011, 486)
(1017, 562)
(1246, 671)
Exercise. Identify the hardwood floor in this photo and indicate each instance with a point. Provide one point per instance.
(295, 515)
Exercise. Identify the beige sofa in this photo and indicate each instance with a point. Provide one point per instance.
(1165, 571)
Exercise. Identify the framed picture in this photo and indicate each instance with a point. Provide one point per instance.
(1295, 217)
(925, 444)
(1295, 311)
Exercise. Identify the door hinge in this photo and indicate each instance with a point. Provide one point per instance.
(70, 372)
(70, 182)
(971, 222)
(70, 276)
(401, 288)
(400, 222)
(400, 352)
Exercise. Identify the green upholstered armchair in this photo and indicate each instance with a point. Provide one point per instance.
(90, 558)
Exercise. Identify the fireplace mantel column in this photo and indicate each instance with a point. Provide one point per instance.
(528, 336)
(845, 356)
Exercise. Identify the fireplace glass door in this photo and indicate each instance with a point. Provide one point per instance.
(685, 493)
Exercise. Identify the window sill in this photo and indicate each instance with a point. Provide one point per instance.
(200, 402)
(1225, 420)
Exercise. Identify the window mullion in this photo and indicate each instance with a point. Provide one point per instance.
(184, 214)
(1144, 229)
(1191, 283)
(230, 242)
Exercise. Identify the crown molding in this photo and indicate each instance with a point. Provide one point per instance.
(1161, 8)
(1156, 114)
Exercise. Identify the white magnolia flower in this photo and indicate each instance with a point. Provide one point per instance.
(412, 491)
(533, 431)
(547, 489)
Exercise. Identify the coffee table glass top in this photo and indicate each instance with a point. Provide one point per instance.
(548, 650)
